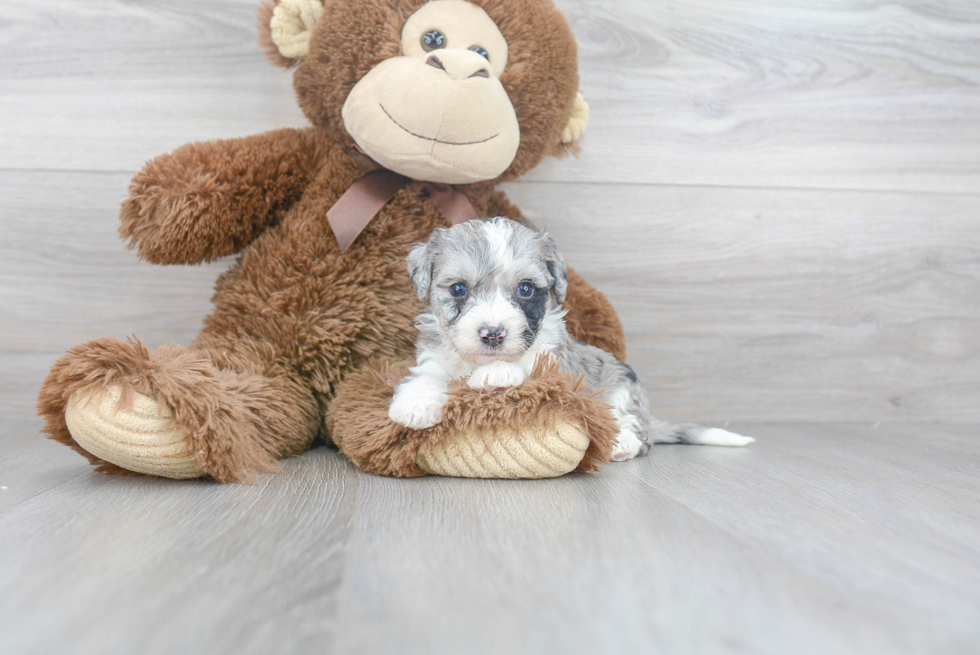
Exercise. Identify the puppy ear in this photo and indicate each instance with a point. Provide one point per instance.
(285, 29)
(420, 270)
(556, 267)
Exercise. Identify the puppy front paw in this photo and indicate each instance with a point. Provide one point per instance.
(497, 375)
(628, 446)
(417, 408)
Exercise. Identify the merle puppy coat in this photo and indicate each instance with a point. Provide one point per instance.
(494, 290)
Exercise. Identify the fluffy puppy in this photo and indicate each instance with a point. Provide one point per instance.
(494, 289)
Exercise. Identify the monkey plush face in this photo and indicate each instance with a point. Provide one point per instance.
(439, 112)
(446, 91)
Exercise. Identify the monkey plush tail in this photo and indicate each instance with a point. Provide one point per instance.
(692, 433)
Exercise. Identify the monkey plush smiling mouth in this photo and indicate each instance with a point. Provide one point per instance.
(438, 112)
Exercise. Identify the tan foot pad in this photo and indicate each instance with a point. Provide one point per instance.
(531, 453)
(140, 438)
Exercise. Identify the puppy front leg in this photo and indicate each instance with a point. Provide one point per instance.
(418, 400)
(632, 439)
(497, 375)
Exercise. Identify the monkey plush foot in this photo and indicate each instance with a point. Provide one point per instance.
(139, 436)
(171, 413)
(546, 427)
(531, 452)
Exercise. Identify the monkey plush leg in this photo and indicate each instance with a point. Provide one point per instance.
(172, 413)
(544, 428)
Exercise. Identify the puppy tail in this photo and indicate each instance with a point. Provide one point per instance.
(691, 433)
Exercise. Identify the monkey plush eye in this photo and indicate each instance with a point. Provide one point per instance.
(458, 290)
(480, 51)
(433, 40)
(525, 290)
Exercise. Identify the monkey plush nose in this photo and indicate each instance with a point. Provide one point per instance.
(493, 336)
(460, 64)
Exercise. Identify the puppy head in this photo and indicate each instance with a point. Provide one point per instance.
(491, 286)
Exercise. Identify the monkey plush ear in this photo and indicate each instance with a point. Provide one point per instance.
(285, 28)
(578, 121)
(574, 129)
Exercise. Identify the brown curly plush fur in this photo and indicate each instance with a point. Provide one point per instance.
(295, 317)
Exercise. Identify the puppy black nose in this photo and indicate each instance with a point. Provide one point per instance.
(493, 336)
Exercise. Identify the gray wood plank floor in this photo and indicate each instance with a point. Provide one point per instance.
(782, 200)
(823, 539)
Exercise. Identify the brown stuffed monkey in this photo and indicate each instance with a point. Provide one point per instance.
(418, 111)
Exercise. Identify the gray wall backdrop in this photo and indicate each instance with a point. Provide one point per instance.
(782, 199)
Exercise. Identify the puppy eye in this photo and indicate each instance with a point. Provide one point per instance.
(458, 290)
(480, 50)
(525, 290)
(433, 40)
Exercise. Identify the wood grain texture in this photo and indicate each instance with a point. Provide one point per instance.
(739, 304)
(782, 304)
(107, 85)
(848, 94)
(780, 198)
(831, 539)
(65, 278)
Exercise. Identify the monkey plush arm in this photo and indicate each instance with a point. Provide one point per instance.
(591, 317)
(211, 199)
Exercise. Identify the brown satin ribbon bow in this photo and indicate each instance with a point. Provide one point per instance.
(365, 198)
